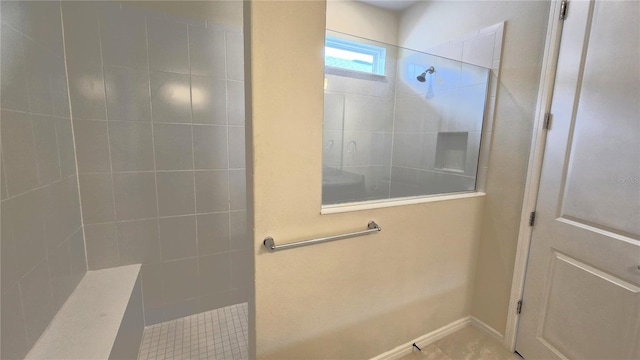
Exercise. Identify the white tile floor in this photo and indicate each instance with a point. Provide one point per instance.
(216, 334)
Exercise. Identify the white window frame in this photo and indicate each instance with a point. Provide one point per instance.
(379, 53)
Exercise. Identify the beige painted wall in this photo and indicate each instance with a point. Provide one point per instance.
(363, 20)
(354, 298)
(523, 44)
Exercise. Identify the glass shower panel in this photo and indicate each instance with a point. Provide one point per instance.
(414, 131)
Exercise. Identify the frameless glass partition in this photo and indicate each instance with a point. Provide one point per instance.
(411, 129)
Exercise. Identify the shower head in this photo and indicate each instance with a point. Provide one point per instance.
(423, 77)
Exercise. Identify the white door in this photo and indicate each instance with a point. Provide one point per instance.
(582, 288)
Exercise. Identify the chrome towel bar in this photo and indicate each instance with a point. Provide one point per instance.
(269, 243)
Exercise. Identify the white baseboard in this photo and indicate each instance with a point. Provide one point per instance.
(426, 340)
(482, 326)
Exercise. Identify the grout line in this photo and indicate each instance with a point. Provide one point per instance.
(35, 149)
(435, 171)
(364, 166)
(63, 117)
(180, 170)
(193, 167)
(55, 131)
(169, 217)
(369, 131)
(26, 331)
(226, 94)
(106, 113)
(73, 138)
(147, 122)
(24, 64)
(38, 187)
(155, 166)
(4, 175)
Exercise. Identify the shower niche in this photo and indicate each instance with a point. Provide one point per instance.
(451, 151)
(420, 127)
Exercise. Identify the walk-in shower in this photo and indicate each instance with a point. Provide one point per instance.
(122, 143)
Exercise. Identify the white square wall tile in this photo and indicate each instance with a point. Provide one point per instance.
(489, 29)
(86, 89)
(123, 36)
(18, 145)
(14, 76)
(207, 51)
(209, 100)
(473, 75)
(171, 97)
(368, 113)
(479, 51)
(449, 50)
(168, 46)
(235, 102)
(81, 31)
(332, 148)
(333, 111)
(127, 92)
(235, 55)
(447, 74)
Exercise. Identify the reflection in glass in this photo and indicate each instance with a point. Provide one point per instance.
(411, 132)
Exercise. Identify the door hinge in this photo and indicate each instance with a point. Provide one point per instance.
(532, 218)
(563, 10)
(519, 308)
(547, 121)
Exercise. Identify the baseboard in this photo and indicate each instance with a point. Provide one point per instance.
(482, 326)
(425, 340)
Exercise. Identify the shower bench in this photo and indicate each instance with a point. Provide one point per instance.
(102, 319)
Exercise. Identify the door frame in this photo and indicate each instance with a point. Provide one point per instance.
(534, 168)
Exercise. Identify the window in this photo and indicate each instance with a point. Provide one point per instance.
(413, 132)
(352, 55)
(410, 131)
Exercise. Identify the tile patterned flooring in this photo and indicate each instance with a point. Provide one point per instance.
(223, 334)
(215, 335)
(468, 343)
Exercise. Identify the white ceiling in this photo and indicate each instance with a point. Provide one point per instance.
(393, 5)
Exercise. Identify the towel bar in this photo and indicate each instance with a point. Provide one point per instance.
(269, 243)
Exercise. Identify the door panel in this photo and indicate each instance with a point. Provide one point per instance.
(605, 133)
(574, 286)
(582, 290)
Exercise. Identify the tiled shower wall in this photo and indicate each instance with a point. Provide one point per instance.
(438, 126)
(43, 255)
(358, 127)
(402, 135)
(158, 111)
(458, 83)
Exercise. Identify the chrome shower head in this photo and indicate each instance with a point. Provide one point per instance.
(423, 77)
